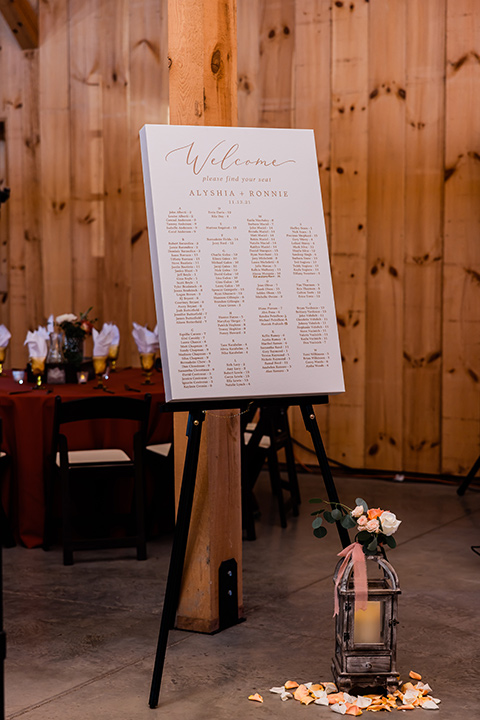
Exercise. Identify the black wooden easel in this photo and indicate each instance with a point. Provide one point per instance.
(177, 558)
(468, 479)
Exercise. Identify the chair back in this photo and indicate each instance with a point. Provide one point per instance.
(100, 408)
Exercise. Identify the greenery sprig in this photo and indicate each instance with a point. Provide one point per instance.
(375, 527)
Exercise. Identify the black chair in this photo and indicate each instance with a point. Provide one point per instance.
(261, 441)
(96, 466)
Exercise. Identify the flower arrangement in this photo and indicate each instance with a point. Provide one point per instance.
(76, 329)
(76, 326)
(375, 527)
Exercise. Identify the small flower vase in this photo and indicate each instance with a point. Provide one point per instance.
(73, 350)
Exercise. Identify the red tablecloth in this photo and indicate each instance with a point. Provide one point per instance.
(27, 438)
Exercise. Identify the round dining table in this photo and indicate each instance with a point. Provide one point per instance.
(27, 416)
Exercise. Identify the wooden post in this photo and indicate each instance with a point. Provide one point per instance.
(203, 80)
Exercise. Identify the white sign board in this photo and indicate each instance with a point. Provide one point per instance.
(240, 264)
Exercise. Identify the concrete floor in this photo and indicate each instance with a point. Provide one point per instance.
(81, 639)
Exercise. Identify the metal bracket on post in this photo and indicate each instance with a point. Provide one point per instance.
(228, 594)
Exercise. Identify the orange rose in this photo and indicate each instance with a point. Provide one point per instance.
(374, 513)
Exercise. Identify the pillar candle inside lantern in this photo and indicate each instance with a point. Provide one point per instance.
(368, 623)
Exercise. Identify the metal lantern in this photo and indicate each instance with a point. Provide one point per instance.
(365, 640)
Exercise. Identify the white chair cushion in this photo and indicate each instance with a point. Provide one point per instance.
(160, 449)
(264, 442)
(107, 455)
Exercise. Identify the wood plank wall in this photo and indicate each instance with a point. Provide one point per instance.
(391, 88)
(72, 111)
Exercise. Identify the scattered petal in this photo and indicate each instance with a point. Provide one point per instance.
(286, 696)
(316, 688)
(278, 690)
(307, 700)
(300, 692)
(363, 702)
(414, 675)
(429, 705)
(336, 698)
(322, 700)
(256, 698)
(290, 684)
(353, 710)
(330, 687)
(339, 708)
(319, 694)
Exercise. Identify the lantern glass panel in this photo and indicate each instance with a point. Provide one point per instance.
(368, 625)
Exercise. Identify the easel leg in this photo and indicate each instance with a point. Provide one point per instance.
(311, 425)
(179, 548)
(476, 466)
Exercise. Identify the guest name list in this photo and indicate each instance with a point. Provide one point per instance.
(240, 263)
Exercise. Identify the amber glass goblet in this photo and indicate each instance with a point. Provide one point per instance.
(147, 361)
(113, 357)
(99, 367)
(3, 352)
(38, 368)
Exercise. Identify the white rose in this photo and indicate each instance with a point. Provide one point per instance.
(67, 317)
(356, 512)
(389, 522)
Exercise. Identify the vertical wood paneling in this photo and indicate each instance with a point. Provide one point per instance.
(277, 45)
(248, 39)
(425, 135)
(148, 104)
(406, 282)
(117, 267)
(86, 116)
(55, 148)
(31, 186)
(461, 299)
(12, 111)
(312, 102)
(385, 223)
(349, 142)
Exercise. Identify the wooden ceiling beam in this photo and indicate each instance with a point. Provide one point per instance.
(23, 22)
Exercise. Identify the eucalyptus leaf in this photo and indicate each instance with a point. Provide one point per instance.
(317, 522)
(391, 542)
(336, 514)
(360, 501)
(315, 500)
(328, 516)
(348, 522)
(320, 532)
(372, 546)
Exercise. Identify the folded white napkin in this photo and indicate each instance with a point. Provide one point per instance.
(115, 332)
(5, 336)
(145, 340)
(50, 325)
(102, 340)
(43, 332)
(37, 344)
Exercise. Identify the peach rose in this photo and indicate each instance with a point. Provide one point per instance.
(362, 521)
(372, 525)
(356, 512)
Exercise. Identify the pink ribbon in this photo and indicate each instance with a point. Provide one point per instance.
(354, 551)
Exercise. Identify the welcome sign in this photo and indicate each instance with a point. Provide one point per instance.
(240, 263)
